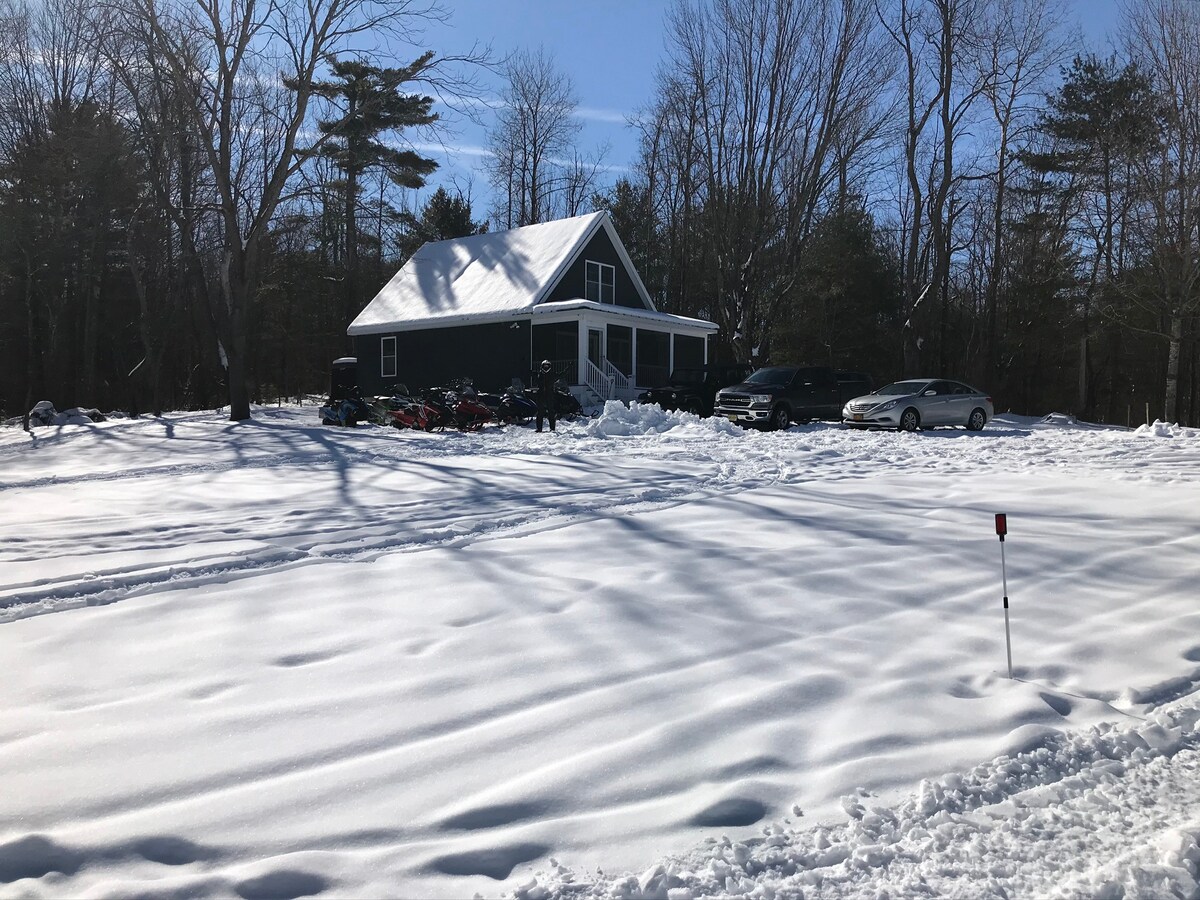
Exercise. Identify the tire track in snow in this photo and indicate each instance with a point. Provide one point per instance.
(351, 541)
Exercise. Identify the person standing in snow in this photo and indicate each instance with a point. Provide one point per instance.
(544, 379)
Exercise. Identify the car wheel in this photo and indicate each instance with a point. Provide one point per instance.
(977, 420)
(780, 419)
(910, 420)
(694, 408)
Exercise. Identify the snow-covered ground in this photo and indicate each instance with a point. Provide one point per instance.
(644, 655)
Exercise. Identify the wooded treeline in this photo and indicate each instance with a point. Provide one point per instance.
(196, 196)
(938, 187)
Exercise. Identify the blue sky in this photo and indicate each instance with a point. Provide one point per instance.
(610, 50)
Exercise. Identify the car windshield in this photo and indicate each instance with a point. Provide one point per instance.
(902, 388)
(687, 376)
(772, 375)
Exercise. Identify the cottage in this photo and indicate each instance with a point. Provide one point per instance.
(492, 306)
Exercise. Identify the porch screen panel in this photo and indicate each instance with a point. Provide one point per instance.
(620, 348)
(653, 357)
(558, 343)
(689, 351)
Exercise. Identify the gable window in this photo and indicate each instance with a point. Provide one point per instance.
(601, 281)
(387, 357)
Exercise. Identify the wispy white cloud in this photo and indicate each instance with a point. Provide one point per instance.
(587, 113)
(448, 149)
(611, 116)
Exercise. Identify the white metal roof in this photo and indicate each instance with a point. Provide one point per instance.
(485, 277)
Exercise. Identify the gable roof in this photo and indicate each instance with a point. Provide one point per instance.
(486, 276)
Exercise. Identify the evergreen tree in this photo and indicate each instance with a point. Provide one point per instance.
(1102, 119)
(371, 104)
(442, 218)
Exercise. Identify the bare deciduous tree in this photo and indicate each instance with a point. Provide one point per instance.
(768, 102)
(249, 68)
(532, 144)
(945, 71)
(1024, 44)
(1164, 38)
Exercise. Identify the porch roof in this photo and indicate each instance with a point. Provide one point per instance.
(565, 308)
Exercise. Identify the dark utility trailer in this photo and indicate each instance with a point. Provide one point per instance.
(343, 379)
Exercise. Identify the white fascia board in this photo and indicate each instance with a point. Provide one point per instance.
(567, 310)
(511, 315)
(547, 313)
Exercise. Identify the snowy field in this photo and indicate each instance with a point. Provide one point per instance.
(645, 655)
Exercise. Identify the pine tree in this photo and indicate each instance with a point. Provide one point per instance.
(372, 104)
(442, 218)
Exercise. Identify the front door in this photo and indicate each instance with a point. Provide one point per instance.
(596, 347)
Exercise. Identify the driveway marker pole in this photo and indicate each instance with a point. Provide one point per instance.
(1001, 531)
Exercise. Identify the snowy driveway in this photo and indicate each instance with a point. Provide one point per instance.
(276, 659)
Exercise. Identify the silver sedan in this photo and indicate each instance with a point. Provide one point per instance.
(920, 403)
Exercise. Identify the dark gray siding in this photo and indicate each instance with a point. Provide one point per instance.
(491, 355)
(599, 249)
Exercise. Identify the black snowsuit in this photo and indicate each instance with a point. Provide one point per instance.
(547, 402)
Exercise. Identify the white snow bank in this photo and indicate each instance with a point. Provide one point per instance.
(1082, 814)
(1160, 429)
(650, 418)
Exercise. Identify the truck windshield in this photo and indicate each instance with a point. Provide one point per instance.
(687, 376)
(772, 375)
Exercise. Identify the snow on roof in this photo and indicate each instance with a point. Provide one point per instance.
(480, 277)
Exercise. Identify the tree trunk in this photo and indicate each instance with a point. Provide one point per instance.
(1171, 401)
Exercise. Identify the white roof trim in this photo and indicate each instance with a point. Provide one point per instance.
(564, 310)
(566, 307)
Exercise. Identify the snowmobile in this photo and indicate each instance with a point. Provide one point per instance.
(403, 410)
(510, 406)
(347, 412)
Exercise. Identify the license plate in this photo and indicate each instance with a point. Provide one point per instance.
(732, 417)
(857, 417)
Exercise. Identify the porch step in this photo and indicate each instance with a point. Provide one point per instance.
(587, 397)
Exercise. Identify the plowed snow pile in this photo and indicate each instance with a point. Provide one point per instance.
(645, 655)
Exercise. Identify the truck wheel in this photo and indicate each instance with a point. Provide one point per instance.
(780, 419)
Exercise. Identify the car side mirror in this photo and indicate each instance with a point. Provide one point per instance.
(929, 394)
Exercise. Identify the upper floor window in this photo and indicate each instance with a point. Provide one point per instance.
(387, 357)
(601, 282)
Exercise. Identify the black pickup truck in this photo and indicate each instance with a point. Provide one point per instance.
(776, 396)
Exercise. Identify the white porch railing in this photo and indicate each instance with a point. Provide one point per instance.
(595, 379)
(620, 381)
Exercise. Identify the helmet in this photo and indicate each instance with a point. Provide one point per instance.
(545, 365)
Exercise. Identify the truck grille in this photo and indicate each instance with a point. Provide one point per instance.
(734, 401)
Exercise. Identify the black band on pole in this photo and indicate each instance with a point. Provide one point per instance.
(1006, 603)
